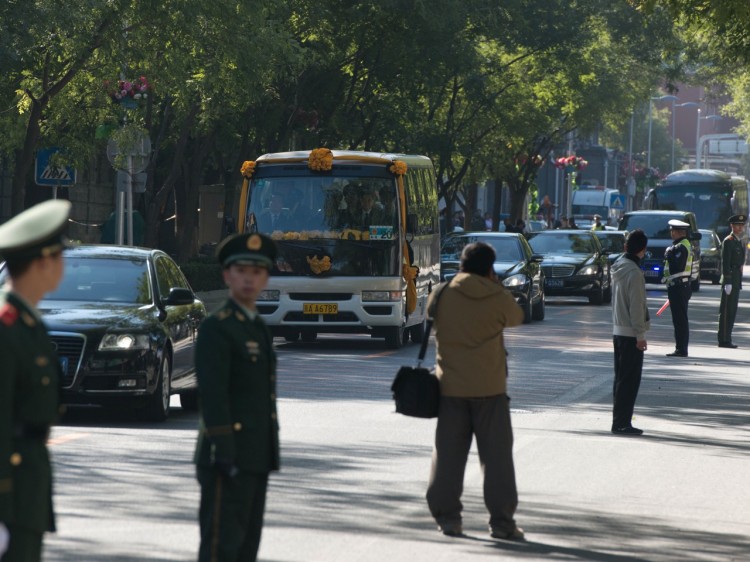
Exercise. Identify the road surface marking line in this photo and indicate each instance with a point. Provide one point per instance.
(381, 354)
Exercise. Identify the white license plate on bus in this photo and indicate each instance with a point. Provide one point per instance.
(320, 308)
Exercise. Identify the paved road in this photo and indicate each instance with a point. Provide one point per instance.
(354, 473)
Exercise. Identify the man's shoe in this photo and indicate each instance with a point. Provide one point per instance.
(730, 345)
(629, 431)
(451, 530)
(516, 534)
(677, 354)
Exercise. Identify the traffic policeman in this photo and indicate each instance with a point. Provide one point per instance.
(732, 261)
(678, 266)
(597, 225)
(31, 245)
(238, 440)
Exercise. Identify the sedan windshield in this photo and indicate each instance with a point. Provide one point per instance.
(612, 244)
(562, 243)
(100, 279)
(506, 249)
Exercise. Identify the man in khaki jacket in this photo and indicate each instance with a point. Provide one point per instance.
(472, 312)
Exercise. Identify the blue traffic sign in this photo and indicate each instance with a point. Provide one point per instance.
(47, 175)
(617, 202)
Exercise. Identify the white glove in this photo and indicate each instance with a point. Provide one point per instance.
(4, 539)
(728, 288)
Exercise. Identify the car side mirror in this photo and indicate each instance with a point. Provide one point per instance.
(179, 296)
(538, 258)
(697, 236)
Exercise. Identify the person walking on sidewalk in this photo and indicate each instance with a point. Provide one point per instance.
(473, 311)
(732, 261)
(677, 268)
(630, 322)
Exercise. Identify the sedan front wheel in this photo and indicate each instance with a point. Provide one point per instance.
(157, 406)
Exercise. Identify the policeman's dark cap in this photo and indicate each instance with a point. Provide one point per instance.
(37, 232)
(247, 249)
(738, 219)
(676, 224)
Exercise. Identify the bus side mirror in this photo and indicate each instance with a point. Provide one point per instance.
(411, 223)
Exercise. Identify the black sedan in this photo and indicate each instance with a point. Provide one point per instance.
(575, 264)
(124, 321)
(710, 256)
(516, 266)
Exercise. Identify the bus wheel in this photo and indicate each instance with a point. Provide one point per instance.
(309, 336)
(417, 332)
(394, 337)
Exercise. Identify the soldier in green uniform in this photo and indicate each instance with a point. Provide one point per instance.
(31, 245)
(732, 260)
(238, 441)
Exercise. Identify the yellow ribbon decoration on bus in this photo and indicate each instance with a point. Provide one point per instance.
(320, 160)
(408, 271)
(247, 170)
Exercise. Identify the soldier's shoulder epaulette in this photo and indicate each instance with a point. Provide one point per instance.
(223, 313)
(8, 314)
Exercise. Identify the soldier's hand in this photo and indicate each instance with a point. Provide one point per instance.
(226, 468)
(4, 539)
(728, 288)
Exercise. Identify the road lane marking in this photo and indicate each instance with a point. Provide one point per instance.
(66, 438)
(381, 354)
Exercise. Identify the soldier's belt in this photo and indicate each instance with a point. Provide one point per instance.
(29, 431)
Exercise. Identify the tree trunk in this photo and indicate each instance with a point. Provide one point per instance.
(497, 203)
(25, 159)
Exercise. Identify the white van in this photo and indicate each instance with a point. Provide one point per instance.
(589, 201)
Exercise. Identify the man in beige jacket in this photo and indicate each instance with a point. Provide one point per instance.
(472, 312)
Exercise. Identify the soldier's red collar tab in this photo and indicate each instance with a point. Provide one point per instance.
(8, 314)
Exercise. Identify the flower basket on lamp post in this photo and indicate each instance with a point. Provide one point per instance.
(128, 93)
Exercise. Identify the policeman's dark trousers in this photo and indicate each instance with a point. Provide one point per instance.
(628, 369)
(727, 314)
(25, 545)
(231, 515)
(679, 295)
(489, 420)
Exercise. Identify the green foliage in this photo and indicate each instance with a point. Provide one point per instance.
(203, 274)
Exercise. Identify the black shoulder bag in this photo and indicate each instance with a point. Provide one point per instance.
(416, 390)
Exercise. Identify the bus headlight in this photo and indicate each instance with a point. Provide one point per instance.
(382, 296)
(268, 295)
(515, 281)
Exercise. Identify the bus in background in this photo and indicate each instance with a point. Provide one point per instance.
(358, 239)
(712, 195)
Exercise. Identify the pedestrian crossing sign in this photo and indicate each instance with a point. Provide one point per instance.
(45, 174)
(617, 202)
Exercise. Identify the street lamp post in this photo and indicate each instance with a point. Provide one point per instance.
(686, 104)
(650, 121)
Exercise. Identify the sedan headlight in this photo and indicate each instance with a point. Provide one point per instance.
(382, 296)
(515, 280)
(269, 295)
(123, 342)
(589, 270)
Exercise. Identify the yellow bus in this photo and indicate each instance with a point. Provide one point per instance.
(358, 241)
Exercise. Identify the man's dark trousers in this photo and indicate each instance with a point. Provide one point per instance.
(628, 368)
(679, 296)
(727, 313)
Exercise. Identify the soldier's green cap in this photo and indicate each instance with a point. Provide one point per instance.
(36, 232)
(738, 219)
(247, 249)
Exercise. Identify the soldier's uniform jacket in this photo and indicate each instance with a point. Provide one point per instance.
(732, 261)
(236, 366)
(29, 402)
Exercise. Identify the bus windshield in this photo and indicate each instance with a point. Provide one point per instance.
(348, 222)
(712, 204)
